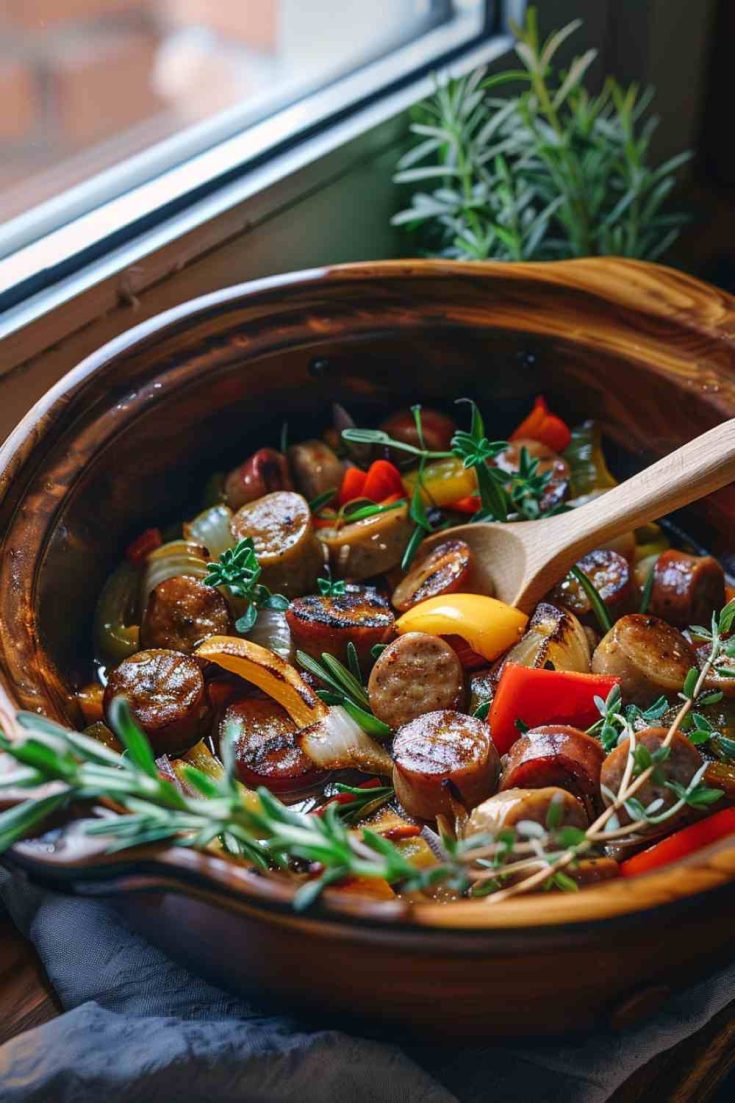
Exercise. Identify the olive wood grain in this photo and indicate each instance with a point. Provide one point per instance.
(521, 561)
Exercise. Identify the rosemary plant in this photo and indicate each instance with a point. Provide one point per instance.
(553, 171)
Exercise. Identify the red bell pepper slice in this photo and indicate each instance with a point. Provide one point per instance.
(137, 552)
(470, 504)
(544, 697)
(383, 480)
(353, 485)
(681, 843)
(545, 427)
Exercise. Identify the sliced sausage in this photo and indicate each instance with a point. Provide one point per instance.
(266, 751)
(682, 764)
(416, 674)
(508, 808)
(264, 472)
(558, 488)
(287, 549)
(441, 754)
(648, 655)
(437, 429)
(687, 589)
(556, 755)
(167, 696)
(182, 612)
(360, 616)
(444, 569)
(609, 573)
(365, 548)
(315, 468)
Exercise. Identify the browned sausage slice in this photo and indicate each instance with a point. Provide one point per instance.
(369, 547)
(266, 751)
(182, 612)
(360, 616)
(556, 755)
(443, 747)
(315, 467)
(287, 549)
(166, 694)
(445, 569)
(609, 573)
(648, 655)
(264, 472)
(509, 807)
(682, 764)
(416, 674)
(687, 589)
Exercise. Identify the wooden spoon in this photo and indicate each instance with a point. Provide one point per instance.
(521, 561)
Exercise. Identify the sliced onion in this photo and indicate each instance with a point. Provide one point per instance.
(338, 742)
(212, 529)
(171, 560)
(271, 631)
(115, 634)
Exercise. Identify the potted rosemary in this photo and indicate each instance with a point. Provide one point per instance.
(552, 171)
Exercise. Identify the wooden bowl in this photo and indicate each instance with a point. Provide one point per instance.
(121, 441)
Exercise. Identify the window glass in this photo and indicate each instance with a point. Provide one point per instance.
(89, 85)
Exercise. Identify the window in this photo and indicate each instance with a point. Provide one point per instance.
(99, 96)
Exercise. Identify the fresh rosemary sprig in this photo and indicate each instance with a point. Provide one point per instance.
(255, 827)
(239, 571)
(598, 605)
(550, 172)
(344, 687)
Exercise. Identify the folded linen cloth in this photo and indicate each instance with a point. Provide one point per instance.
(138, 1028)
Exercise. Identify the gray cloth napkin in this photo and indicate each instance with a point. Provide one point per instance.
(138, 1028)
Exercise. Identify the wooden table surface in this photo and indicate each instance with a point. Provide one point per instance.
(693, 1072)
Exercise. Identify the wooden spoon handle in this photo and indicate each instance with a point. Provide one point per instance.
(693, 471)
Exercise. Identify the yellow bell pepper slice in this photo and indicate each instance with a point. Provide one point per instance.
(268, 672)
(489, 626)
(444, 482)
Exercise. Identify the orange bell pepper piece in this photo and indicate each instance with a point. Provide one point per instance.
(545, 427)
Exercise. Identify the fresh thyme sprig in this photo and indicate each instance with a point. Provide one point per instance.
(504, 495)
(640, 767)
(239, 571)
(344, 686)
(475, 450)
